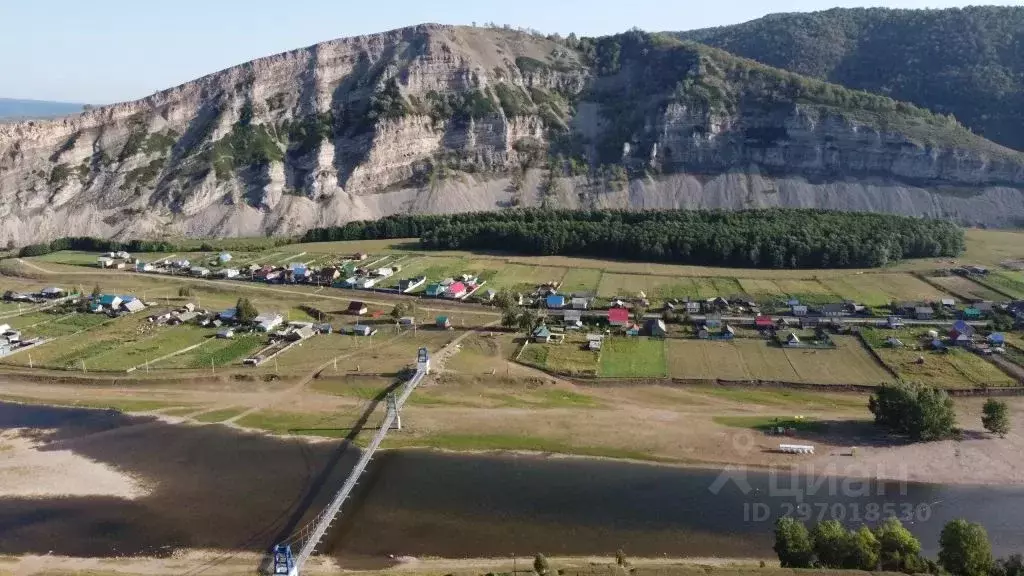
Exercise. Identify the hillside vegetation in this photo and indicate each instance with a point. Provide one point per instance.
(967, 62)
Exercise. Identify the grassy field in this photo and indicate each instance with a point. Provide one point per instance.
(952, 369)
(633, 358)
(914, 362)
(965, 287)
(1008, 282)
(215, 352)
(744, 359)
(570, 357)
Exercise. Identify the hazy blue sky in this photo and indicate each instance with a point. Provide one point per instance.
(105, 51)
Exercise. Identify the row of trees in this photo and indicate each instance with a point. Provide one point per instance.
(92, 244)
(964, 549)
(772, 238)
(924, 414)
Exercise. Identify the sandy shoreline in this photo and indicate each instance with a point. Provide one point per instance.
(216, 562)
(29, 471)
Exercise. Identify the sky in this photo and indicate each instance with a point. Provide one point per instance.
(106, 51)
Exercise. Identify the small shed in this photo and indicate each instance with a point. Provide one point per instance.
(693, 307)
(435, 289)
(323, 328)
(633, 330)
(996, 339)
(224, 257)
(948, 303)
(938, 345)
(580, 303)
(357, 308)
(226, 333)
(727, 333)
(443, 322)
(407, 321)
(541, 334)
(893, 342)
(594, 344)
(799, 310)
(792, 339)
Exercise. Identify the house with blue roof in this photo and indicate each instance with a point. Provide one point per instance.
(996, 339)
(110, 301)
(555, 301)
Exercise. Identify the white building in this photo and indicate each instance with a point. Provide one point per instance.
(229, 273)
(267, 322)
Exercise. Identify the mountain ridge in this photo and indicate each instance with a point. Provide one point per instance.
(437, 118)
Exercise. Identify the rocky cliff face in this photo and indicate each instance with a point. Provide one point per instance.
(445, 119)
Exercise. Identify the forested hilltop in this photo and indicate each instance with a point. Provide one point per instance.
(774, 238)
(967, 62)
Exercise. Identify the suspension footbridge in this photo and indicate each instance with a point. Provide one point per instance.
(286, 561)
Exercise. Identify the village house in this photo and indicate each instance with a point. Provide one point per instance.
(792, 340)
(226, 333)
(924, 313)
(267, 322)
(357, 308)
(962, 333)
(717, 304)
(105, 262)
(692, 307)
(970, 313)
(656, 328)
(407, 321)
(764, 323)
(52, 292)
(456, 291)
(436, 290)
(996, 339)
(228, 315)
(555, 301)
(541, 334)
(410, 284)
(893, 322)
(132, 305)
(300, 333)
(986, 308)
(580, 303)
(632, 329)
(443, 322)
(573, 319)
(798, 310)
(323, 328)
(362, 330)
(618, 317)
(327, 275)
(144, 267)
(834, 310)
(809, 322)
(109, 301)
(727, 332)
(199, 272)
(228, 273)
(948, 303)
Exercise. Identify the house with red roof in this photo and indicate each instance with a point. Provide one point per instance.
(456, 290)
(763, 323)
(618, 316)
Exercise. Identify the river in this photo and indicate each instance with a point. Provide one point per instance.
(214, 487)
